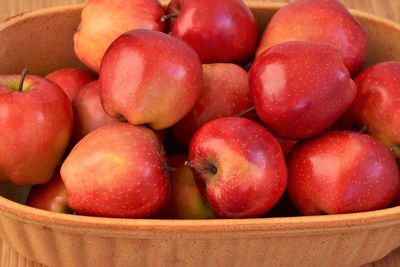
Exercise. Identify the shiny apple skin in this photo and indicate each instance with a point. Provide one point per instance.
(342, 172)
(239, 167)
(117, 171)
(220, 31)
(102, 21)
(150, 78)
(377, 104)
(300, 89)
(51, 196)
(36, 129)
(326, 21)
(71, 80)
(225, 93)
(186, 201)
(89, 113)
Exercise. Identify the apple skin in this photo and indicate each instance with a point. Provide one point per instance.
(220, 31)
(341, 172)
(89, 112)
(71, 80)
(117, 171)
(36, 128)
(102, 21)
(147, 87)
(239, 167)
(377, 104)
(186, 201)
(51, 196)
(300, 89)
(286, 145)
(216, 103)
(326, 21)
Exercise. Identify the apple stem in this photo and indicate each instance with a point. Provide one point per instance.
(211, 169)
(170, 169)
(166, 17)
(245, 112)
(22, 79)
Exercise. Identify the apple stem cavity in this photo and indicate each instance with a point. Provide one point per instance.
(211, 168)
(245, 112)
(22, 79)
(166, 17)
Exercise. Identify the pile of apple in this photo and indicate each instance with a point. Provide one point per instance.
(174, 126)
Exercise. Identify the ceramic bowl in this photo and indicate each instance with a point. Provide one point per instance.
(42, 41)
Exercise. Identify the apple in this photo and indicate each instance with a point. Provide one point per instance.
(89, 112)
(151, 78)
(225, 93)
(71, 80)
(239, 167)
(286, 145)
(300, 89)
(341, 172)
(220, 31)
(102, 21)
(376, 106)
(51, 196)
(396, 201)
(326, 21)
(117, 170)
(186, 201)
(36, 120)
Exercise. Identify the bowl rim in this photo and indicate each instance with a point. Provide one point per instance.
(309, 224)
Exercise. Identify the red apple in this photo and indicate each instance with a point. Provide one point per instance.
(151, 78)
(102, 21)
(326, 21)
(117, 170)
(377, 104)
(225, 93)
(51, 196)
(300, 88)
(396, 201)
(36, 121)
(219, 31)
(286, 145)
(239, 167)
(186, 201)
(89, 112)
(342, 172)
(71, 80)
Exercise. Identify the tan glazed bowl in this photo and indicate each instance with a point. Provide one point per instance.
(42, 41)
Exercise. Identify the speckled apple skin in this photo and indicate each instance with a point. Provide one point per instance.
(151, 78)
(251, 172)
(117, 171)
(219, 31)
(36, 127)
(102, 21)
(51, 196)
(300, 88)
(325, 21)
(89, 113)
(225, 93)
(377, 104)
(71, 80)
(342, 172)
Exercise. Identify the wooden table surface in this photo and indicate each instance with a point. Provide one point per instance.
(389, 9)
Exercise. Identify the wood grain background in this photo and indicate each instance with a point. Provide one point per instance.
(389, 9)
(385, 8)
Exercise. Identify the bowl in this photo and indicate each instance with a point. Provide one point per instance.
(42, 41)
